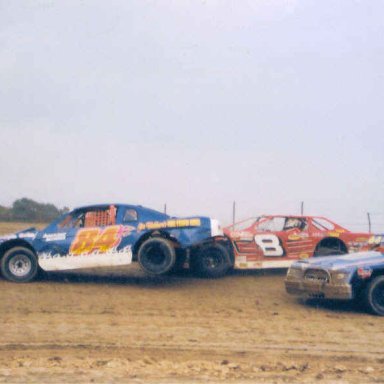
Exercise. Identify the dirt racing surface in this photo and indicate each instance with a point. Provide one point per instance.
(123, 326)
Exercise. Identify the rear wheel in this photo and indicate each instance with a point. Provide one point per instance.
(19, 264)
(212, 260)
(330, 246)
(374, 296)
(157, 256)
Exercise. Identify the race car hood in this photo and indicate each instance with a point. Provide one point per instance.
(356, 260)
(26, 234)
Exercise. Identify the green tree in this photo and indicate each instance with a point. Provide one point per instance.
(5, 213)
(29, 210)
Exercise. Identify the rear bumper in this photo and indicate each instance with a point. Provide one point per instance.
(316, 289)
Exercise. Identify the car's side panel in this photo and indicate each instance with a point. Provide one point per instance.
(62, 248)
(299, 246)
(73, 248)
(255, 248)
(89, 248)
(269, 250)
(186, 231)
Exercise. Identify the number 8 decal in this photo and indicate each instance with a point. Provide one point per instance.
(270, 245)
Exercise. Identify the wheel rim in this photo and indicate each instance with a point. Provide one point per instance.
(212, 259)
(20, 265)
(378, 297)
(156, 255)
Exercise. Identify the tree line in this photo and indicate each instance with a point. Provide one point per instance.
(29, 210)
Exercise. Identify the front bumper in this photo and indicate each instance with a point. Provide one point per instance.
(317, 289)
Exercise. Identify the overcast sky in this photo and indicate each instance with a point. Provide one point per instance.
(195, 103)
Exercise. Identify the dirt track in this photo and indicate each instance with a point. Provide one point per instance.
(125, 327)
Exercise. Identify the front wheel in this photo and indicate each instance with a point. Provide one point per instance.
(212, 260)
(19, 264)
(157, 256)
(374, 296)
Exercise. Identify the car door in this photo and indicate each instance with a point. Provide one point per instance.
(53, 243)
(92, 238)
(128, 217)
(295, 238)
(268, 239)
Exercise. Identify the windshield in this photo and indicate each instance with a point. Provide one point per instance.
(323, 224)
(273, 224)
(245, 224)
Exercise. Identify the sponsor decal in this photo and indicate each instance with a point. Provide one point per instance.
(242, 236)
(364, 273)
(57, 262)
(361, 239)
(297, 236)
(373, 240)
(27, 235)
(293, 237)
(8, 237)
(173, 223)
(54, 236)
(334, 234)
(241, 259)
(127, 230)
(114, 251)
(90, 240)
(248, 265)
(264, 264)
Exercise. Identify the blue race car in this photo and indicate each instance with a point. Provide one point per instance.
(357, 276)
(115, 235)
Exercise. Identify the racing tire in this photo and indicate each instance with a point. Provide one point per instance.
(324, 251)
(374, 296)
(19, 264)
(211, 260)
(181, 259)
(157, 256)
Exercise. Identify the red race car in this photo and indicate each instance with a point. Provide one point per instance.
(276, 241)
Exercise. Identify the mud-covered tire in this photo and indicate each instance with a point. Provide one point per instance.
(19, 264)
(157, 256)
(181, 259)
(211, 260)
(374, 296)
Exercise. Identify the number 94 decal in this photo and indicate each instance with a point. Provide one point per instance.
(270, 244)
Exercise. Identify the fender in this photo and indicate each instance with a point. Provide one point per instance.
(8, 244)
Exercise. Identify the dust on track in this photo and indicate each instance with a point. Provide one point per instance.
(123, 326)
